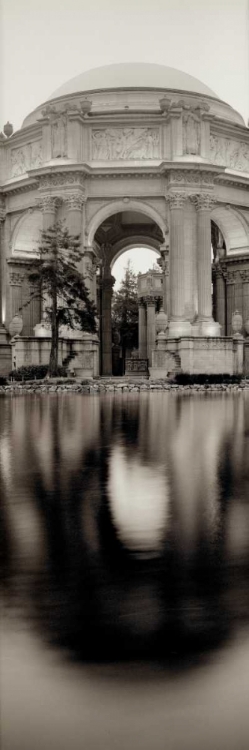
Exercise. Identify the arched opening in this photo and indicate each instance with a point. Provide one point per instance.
(132, 232)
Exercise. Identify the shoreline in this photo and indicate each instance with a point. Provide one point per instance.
(100, 387)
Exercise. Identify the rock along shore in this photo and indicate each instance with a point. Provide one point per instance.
(109, 386)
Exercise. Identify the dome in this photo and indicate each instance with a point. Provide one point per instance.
(133, 75)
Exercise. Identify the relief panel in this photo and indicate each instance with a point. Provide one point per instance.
(25, 158)
(230, 153)
(113, 144)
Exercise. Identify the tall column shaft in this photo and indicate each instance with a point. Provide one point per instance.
(178, 326)
(151, 327)
(48, 204)
(2, 217)
(207, 327)
(106, 325)
(142, 331)
(220, 301)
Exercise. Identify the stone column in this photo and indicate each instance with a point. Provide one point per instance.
(89, 272)
(106, 324)
(163, 262)
(178, 326)
(2, 218)
(48, 205)
(245, 295)
(220, 299)
(151, 327)
(74, 203)
(142, 330)
(206, 325)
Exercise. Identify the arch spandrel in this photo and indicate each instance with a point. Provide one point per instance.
(119, 206)
(233, 227)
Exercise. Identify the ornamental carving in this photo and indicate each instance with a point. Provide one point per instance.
(176, 200)
(191, 133)
(25, 158)
(203, 201)
(74, 201)
(189, 176)
(61, 179)
(48, 203)
(16, 278)
(244, 275)
(230, 153)
(112, 144)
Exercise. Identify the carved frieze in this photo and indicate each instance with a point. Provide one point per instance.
(189, 176)
(112, 144)
(61, 179)
(25, 158)
(229, 152)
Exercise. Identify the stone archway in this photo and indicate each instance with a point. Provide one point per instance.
(112, 237)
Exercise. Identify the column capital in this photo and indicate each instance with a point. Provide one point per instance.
(2, 209)
(150, 301)
(48, 203)
(203, 201)
(74, 201)
(176, 200)
(108, 283)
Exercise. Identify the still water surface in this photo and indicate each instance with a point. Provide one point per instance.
(125, 535)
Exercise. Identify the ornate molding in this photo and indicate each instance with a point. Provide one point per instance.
(176, 200)
(61, 179)
(189, 176)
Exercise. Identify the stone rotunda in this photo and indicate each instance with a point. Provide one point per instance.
(133, 155)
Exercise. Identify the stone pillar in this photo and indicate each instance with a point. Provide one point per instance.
(163, 262)
(2, 218)
(89, 272)
(48, 205)
(220, 299)
(142, 330)
(178, 326)
(206, 325)
(230, 301)
(74, 203)
(106, 323)
(151, 327)
(245, 295)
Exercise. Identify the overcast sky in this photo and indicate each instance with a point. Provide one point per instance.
(46, 42)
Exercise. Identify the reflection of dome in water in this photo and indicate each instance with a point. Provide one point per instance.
(138, 500)
(133, 75)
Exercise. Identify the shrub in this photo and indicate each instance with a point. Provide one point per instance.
(34, 372)
(184, 378)
(3, 380)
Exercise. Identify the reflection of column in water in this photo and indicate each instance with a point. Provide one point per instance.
(195, 449)
(138, 496)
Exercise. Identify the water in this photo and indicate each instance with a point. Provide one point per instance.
(125, 559)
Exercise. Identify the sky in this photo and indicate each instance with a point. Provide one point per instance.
(46, 42)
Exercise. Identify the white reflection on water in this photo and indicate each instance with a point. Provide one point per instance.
(139, 498)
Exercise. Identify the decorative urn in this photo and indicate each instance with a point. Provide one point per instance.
(16, 326)
(237, 323)
(161, 321)
(8, 129)
(85, 106)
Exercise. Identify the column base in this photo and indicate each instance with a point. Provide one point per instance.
(179, 328)
(206, 328)
(3, 334)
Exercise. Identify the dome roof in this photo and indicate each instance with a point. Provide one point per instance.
(133, 75)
